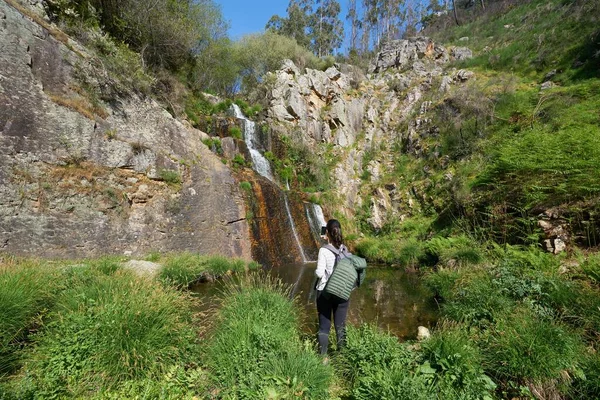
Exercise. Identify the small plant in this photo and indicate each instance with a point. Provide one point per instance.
(235, 132)
(246, 186)
(169, 176)
(239, 161)
(111, 134)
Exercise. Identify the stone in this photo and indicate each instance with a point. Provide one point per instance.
(423, 333)
(445, 84)
(289, 67)
(550, 75)
(464, 39)
(547, 85)
(143, 268)
(461, 53)
(463, 75)
(559, 246)
(113, 215)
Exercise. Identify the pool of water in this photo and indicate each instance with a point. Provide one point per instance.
(393, 299)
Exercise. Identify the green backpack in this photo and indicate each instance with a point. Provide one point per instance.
(348, 272)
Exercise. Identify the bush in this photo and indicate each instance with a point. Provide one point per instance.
(255, 349)
(462, 250)
(107, 330)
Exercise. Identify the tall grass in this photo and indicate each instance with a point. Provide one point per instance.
(185, 269)
(255, 349)
(27, 289)
(108, 329)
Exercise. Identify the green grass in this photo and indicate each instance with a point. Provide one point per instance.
(169, 176)
(105, 329)
(27, 289)
(183, 270)
(255, 350)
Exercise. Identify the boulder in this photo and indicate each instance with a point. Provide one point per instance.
(461, 53)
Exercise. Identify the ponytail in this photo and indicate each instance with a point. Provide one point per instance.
(335, 232)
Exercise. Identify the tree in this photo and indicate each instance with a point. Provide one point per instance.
(296, 24)
(326, 28)
(355, 25)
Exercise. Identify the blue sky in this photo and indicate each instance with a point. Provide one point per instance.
(246, 16)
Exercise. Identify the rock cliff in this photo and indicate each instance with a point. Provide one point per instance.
(383, 113)
(81, 178)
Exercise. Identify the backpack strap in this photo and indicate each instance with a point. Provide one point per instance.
(335, 251)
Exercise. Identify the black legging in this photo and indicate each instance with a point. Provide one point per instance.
(326, 306)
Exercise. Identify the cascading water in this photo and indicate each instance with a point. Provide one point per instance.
(262, 166)
(289, 214)
(315, 216)
(259, 162)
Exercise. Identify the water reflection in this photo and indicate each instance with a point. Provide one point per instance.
(393, 299)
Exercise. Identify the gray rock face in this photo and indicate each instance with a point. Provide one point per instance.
(401, 54)
(76, 184)
(359, 114)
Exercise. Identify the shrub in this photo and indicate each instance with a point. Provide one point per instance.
(110, 329)
(255, 349)
(462, 250)
(246, 186)
(235, 132)
(169, 176)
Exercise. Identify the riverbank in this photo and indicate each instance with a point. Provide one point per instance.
(514, 325)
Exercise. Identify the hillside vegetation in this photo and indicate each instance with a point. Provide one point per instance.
(512, 169)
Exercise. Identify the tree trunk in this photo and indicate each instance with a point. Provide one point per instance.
(482, 5)
(455, 14)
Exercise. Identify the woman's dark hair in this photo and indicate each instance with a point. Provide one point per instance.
(335, 232)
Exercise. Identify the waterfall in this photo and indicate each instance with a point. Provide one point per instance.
(316, 219)
(259, 162)
(289, 213)
(262, 166)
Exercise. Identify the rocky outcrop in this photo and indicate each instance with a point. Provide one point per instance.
(80, 179)
(372, 116)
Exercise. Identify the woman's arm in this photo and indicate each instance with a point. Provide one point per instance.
(321, 263)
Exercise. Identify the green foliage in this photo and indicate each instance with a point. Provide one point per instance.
(239, 161)
(214, 144)
(26, 290)
(185, 269)
(107, 329)
(456, 360)
(246, 186)
(524, 347)
(376, 365)
(235, 132)
(260, 53)
(170, 176)
(255, 349)
(460, 249)
(123, 63)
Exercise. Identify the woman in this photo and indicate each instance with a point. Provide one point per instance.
(328, 305)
